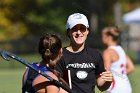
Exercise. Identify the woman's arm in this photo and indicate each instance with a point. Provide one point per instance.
(107, 58)
(53, 88)
(62, 91)
(104, 80)
(129, 66)
(42, 85)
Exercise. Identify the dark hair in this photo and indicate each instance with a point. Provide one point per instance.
(49, 48)
(114, 32)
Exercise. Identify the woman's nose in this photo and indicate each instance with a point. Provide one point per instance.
(78, 31)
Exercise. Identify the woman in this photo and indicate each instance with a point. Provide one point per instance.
(116, 60)
(50, 50)
(84, 64)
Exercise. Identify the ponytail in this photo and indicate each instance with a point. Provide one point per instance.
(48, 57)
(114, 32)
(49, 47)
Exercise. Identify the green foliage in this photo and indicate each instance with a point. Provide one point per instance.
(20, 18)
(23, 17)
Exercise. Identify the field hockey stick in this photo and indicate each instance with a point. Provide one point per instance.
(7, 55)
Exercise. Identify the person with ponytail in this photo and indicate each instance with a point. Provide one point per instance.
(116, 61)
(50, 50)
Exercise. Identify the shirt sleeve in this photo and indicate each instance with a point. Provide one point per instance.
(100, 64)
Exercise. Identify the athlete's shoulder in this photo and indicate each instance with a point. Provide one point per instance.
(40, 79)
(40, 82)
(109, 51)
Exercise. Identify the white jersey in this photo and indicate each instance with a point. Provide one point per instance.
(121, 82)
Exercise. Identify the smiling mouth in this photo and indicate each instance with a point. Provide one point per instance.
(78, 36)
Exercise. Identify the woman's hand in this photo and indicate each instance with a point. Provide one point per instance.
(104, 80)
(106, 76)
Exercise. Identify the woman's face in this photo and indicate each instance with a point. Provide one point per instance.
(78, 34)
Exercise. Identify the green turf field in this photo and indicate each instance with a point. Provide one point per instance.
(11, 75)
(10, 80)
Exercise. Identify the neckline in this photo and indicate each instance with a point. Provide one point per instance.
(73, 52)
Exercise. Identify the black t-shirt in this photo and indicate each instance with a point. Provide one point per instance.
(84, 67)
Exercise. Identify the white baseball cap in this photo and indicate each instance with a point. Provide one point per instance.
(75, 19)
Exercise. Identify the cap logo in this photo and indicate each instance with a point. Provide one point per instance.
(77, 16)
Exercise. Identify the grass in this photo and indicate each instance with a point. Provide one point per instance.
(11, 78)
(14, 64)
(11, 73)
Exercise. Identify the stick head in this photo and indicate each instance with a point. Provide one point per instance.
(4, 55)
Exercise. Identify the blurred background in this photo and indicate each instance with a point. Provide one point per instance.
(22, 22)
